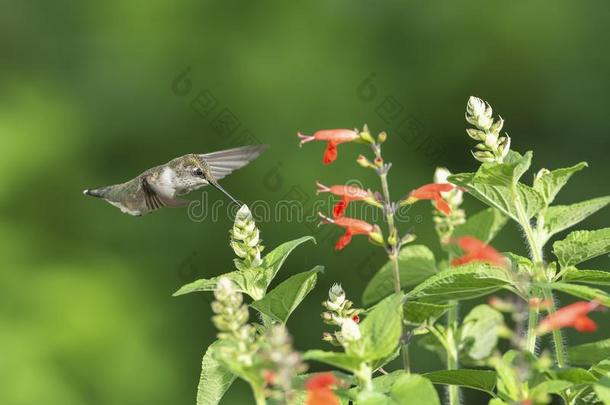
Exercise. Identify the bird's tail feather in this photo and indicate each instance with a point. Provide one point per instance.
(96, 192)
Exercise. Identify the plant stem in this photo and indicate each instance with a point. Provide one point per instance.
(537, 257)
(452, 350)
(557, 338)
(393, 256)
(259, 395)
(532, 323)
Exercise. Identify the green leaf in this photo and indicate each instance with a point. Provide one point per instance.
(589, 353)
(579, 246)
(520, 264)
(413, 389)
(602, 389)
(479, 331)
(381, 328)
(249, 281)
(484, 225)
(596, 277)
(541, 391)
(465, 282)
(406, 389)
(576, 376)
(280, 302)
(252, 281)
(501, 197)
(416, 264)
(560, 217)
(418, 312)
(550, 182)
(336, 359)
(215, 379)
(582, 291)
(482, 380)
(496, 401)
(504, 174)
(274, 260)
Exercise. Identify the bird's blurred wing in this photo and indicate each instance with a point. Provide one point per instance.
(154, 199)
(224, 162)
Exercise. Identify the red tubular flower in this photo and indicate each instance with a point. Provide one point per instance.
(573, 315)
(334, 137)
(319, 390)
(347, 194)
(432, 192)
(353, 227)
(477, 251)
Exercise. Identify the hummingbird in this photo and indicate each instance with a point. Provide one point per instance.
(161, 185)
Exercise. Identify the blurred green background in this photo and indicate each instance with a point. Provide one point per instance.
(89, 97)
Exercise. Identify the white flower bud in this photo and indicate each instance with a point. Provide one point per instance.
(350, 331)
(479, 113)
(336, 295)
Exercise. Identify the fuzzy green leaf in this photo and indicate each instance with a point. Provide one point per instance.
(576, 376)
(541, 391)
(560, 217)
(482, 380)
(215, 379)
(274, 260)
(500, 196)
(381, 328)
(335, 359)
(250, 281)
(602, 389)
(549, 183)
(465, 282)
(520, 264)
(418, 312)
(504, 174)
(407, 389)
(582, 291)
(479, 331)
(589, 353)
(416, 264)
(280, 302)
(595, 277)
(413, 389)
(579, 246)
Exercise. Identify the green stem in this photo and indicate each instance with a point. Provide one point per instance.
(393, 256)
(259, 395)
(537, 257)
(532, 323)
(560, 357)
(452, 352)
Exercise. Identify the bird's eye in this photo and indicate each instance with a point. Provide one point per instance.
(198, 172)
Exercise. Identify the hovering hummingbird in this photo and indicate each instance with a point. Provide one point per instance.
(159, 186)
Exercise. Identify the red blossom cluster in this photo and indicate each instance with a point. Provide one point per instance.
(319, 390)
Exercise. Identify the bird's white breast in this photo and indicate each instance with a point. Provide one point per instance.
(166, 185)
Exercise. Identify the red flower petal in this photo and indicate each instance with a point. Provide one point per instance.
(321, 381)
(321, 397)
(477, 251)
(331, 153)
(344, 240)
(443, 206)
(340, 207)
(584, 324)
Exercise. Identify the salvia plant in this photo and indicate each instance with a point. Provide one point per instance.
(413, 301)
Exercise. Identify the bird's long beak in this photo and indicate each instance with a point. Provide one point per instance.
(216, 185)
